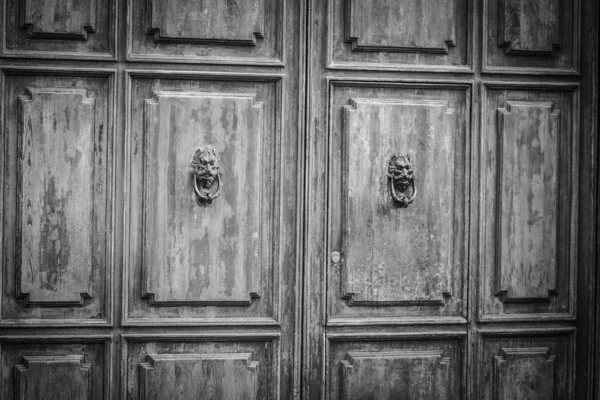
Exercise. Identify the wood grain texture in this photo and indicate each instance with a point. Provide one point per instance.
(377, 368)
(529, 27)
(531, 37)
(202, 254)
(234, 22)
(525, 365)
(206, 376)
(392, 35)
(221, 366)
(389, 25)
(55, 173)
(529, 202)
(199, 264)
(55, 367)
(60, 20)
(210, 31)
(524, 373)
(53, 377)
(409, 374)
(57, 180)
(395, 255)
(60, 29)
(528, 135)
(397, 262)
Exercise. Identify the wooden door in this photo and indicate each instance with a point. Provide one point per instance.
(151, 206)
(450, 211)
(278, 199)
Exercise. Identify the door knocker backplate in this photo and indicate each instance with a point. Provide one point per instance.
(401, 178)
(206, 173)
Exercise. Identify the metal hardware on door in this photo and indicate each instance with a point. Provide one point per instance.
(401, 177)
(206, 172)
(335, 257)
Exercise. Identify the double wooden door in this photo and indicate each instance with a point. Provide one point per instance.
(284, 199)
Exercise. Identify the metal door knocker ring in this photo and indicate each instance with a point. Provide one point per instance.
(206, 173)
(401, 177)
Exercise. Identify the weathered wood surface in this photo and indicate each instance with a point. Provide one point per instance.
(53, 377)
(390, 25)
(241, 32)
(55, 368)
(529, 27)
(397, 261)
(529, 202)
(70, 29)
(62, 20)
(57, 188)
(203, 253)
(528, 165)
(56, 138)
(531, 36)
(211, 366)
(212, 21)
(203, 376)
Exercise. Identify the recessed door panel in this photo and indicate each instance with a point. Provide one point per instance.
(397, 188)
(203, 216)
(57, 179)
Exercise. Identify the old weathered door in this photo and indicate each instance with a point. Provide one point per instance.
(275, 199)
(150, 210)
(450, 211)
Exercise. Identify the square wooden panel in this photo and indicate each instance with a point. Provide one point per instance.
(56, 367)
(57, 183)
(242, 367)
(531, 37)
(529, 191)
(188, 31)
(203, 263)
(534, 365)
(391, 262)
(68, 29)
(431, 368)
(391, 35)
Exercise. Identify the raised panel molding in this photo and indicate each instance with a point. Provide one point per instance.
(422, 374)
(62, 20)
(200, 255)
(53, 377)
(389, 25)
(234, 22)
(376, 269)
(524, 373)
(528, 135)
(529, 27)
(55, 197)
(218, 375)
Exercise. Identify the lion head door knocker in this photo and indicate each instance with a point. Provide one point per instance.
(401, 179)
(206, 173)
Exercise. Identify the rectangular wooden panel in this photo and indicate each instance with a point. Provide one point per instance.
(526, 365)
(199, 254)
(189, 31)
(209, 366)
(531, 36)
(207, 261)
(56, 137)
(220, 375)
(213, 21)
(384, 34)
(60, 29)
(57, 184)
(529, 198)
(55, 368)
(395, 369)
(397, 259)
